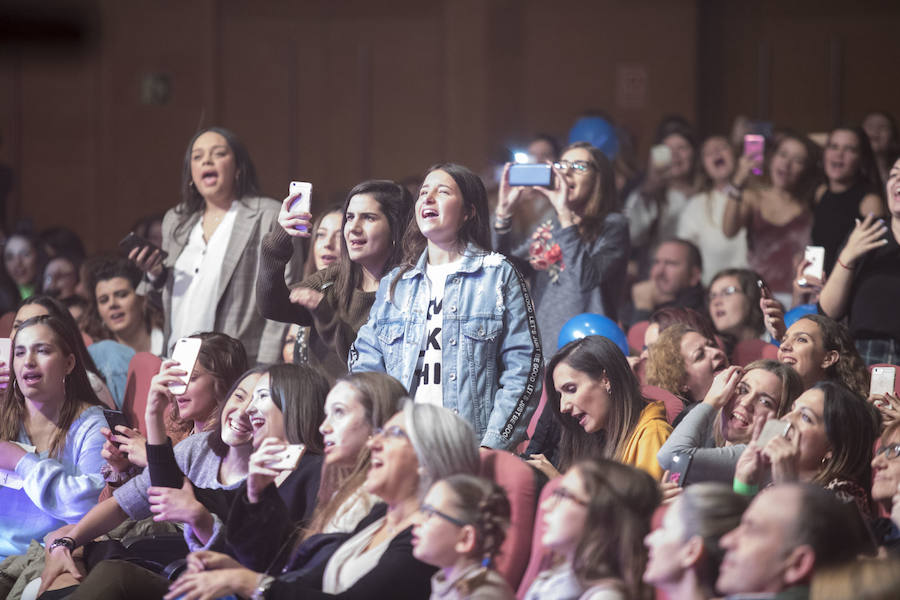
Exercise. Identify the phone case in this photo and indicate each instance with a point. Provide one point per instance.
(300, 204)
(754, 146)
(289, 459)
(185, 354)
(882, 381)
(816, 256)
(772, 429)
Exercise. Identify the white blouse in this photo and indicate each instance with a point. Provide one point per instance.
(195, 286)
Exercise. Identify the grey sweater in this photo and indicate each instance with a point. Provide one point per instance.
(592, 279)
(196, 460)
(692, 437)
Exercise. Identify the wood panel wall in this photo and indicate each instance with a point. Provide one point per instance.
(339, 91)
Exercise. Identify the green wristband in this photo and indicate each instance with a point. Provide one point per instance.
(744, 489)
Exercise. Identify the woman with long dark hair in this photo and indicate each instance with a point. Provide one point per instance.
(576, 260)
(335, 301)
(596, 398)
(212, 239)
(455, 323)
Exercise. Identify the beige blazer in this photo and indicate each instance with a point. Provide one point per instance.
(236, 312)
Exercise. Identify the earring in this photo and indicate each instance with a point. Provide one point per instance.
(608, 388)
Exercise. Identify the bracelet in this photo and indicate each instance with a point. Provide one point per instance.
(732, 191)
(502, 224)
(262, 587)
(62, 541)
(843, 265)
(744, 489)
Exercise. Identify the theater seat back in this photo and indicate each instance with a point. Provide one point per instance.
(141, 369)
(520, 481)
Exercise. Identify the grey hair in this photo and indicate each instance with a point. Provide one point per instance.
(444, 442)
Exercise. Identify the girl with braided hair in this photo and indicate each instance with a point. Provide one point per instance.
(461, 528)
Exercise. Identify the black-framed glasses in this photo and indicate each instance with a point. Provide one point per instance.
(579, 166)
(393, 432)
(430, 511)
(562, 493)
(726, 291)
(891, 451)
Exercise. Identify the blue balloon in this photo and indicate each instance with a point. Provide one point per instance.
(598, 132)
(791, 316)
(587, 324)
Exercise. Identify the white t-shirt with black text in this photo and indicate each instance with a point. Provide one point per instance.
(428, 376)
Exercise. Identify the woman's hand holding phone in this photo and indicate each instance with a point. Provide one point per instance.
(507, 196)
(290, 220)
(260, 472)
(148, 259)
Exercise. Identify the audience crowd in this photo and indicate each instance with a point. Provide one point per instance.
(383, 399)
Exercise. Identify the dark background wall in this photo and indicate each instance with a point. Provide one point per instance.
(338, 91)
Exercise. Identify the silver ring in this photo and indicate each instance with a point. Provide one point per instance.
(802, 282)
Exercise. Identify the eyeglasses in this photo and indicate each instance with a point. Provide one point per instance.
(890, 452)
(393, 432)
(579, 166)
(728, 291)
(430, 511)
(562, 493)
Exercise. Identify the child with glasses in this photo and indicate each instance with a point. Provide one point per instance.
(461, 527)
(594, 523)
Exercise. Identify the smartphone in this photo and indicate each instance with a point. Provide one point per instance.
(772, 429)
(185, 354)
(816, 257)
(681, 462)
(289, 458)
(882, 381)
(113, 418)
(536, 174)
(6, 351)
(133, 240)
(754, 147)
(660, 156)
(300, 204)
(763, 289)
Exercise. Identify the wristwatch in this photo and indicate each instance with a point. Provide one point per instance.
(62, 541)
(265, 582)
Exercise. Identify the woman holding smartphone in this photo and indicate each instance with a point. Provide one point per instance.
(50, 438)
(865, 283)
(212, 239)
(455, 323)
(577, 260)
(335, 301)
(775, 214)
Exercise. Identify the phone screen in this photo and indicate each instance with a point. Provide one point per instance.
(185, 354)
(530, 174)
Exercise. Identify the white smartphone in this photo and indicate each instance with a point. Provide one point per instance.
(816, 257)
(772, 429)
(660, 156)
(882, 381)
(185, 354)
(289, 458)
(301, 204)
(6, 350)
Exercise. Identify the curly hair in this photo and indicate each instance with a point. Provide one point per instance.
(484, 505)
(666, 367)
(849, 369)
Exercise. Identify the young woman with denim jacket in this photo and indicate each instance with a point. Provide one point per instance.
(475, 348)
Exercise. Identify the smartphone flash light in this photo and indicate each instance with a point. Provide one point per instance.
(521, 157)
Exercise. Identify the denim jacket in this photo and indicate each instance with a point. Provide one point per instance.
(491, 348)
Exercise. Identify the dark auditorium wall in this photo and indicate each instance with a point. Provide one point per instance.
(338, 91)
